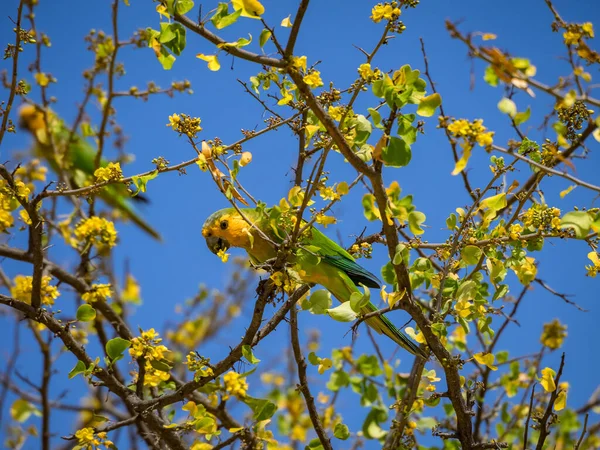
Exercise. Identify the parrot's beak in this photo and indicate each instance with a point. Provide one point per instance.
(216, 244)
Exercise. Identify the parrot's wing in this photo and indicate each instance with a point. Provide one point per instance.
(336, 256)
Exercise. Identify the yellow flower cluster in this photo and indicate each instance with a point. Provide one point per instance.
(96, 231)
(148, 346)
(98, 292)
(313, 79)
(387, 11)
(336, 112)
(112, 171)
(234, 385)
(472, 132)
(287, 281)
(367, 73)
(9, 201)
(88, 440)
(198, 365)
(541, 217)
(184, 124)
(554, 334)
(364, 249)
(22, 288)
(575, 32)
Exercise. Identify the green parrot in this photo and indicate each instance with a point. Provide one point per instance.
(335, 270)
(80, 161)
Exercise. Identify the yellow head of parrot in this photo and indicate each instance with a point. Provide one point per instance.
(224, 229)
(31, 118)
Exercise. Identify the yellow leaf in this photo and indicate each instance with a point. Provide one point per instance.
(287, 23)
(212, 60)
(564, 193)
(487, 359)
(250, 8)
(547, 380)
(235, 430)
(462, 162)
(417, 337)
(561, 401)
(488, 36)
(593, 256)
(162, 10)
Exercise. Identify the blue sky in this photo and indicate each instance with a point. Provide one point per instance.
(170, 272)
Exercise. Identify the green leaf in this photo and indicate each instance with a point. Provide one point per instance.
(247, 353)
(507, 106)
(222, 18)
(466, 290)
(79, 368)
(470, 254)
(371, 428)
(401, 255)
(162, 365)
(376, 118)
(415, 219)
(241, 42)
(358, 300)
(341, 431)
(265, 35)
(115, 348)
(388, 274)
(490, 76)
(314, 359)
(318, 302)
(397, 153)
(451, 222)
(183, 6)
(495, 202)
(338, 380)
(363, 129)
(85, 313)
(141, 181)
(429, 104)
(522, 116)
(579, 221)
(263, 409)
(342, 313)
(368, 365)
(172, 36)
(500, 292)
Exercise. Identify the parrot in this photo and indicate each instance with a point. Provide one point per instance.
(80, 156)
(335, 269)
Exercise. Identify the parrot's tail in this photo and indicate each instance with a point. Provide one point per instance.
(118, 200)
(383, 326)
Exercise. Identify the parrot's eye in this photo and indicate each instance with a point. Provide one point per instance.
(224, 225)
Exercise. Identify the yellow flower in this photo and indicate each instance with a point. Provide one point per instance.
(22, 288)
(313, 79)
(299, 62)
(112, 171)
(336, 112)
(485, 139)
(131, 291)
(97, 292)
(459, 127)
(366, 73)
(515, 231)
(96, 231)
(554, 334)
(387, 11)
(234, 385)
(223, 255)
